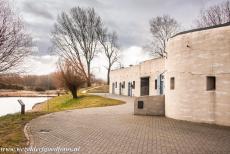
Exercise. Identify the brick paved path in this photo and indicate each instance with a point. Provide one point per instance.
(115, 129)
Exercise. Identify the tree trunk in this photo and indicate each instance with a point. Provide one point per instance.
(89, 75)
(73, 91)
(108, 75)
(88, 83)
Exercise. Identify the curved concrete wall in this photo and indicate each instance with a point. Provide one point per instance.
(191, 58)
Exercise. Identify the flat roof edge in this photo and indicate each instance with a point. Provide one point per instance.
(136, 65)
(201, 29)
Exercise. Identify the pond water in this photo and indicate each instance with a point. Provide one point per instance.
(10, 104)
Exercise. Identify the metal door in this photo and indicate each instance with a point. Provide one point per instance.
(160, 84)
(120, 88)
(144, 86)
(113, 88)
(130, 89)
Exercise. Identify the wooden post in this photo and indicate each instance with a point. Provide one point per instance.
(22, 106)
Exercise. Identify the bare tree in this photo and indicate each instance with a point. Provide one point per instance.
(71, 76)
(214, 15)
(14, 42)
(56, 78)
(162, 28)
(75, 36)
(32, 82)
(109, 42)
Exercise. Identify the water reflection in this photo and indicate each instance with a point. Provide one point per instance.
(11, 105)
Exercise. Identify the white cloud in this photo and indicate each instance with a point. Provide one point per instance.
(40, 65)
(129, 56)
(133, 55)
(45, 64)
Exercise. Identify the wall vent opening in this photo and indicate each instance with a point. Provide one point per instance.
(211, 83)
(156, 84)
(172, 83)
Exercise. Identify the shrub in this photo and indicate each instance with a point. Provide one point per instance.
(39, 89)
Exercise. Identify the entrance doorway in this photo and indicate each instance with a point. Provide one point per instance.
(129, 88)
(113, 88)
(144, 86)
(120, 86)
(160, 84)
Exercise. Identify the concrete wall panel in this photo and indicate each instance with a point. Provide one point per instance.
(191, 58)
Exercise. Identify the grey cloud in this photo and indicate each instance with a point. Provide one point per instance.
(38, 9)
(130, 18)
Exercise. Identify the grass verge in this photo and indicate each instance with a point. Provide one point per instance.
(100, 89)
(66, 102)
(12, 126)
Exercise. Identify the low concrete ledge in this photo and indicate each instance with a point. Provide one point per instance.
(150, 105)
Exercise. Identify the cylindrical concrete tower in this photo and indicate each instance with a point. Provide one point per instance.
(198, 76)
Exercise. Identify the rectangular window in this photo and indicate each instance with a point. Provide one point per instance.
(172, 83)
(123, 84)
(133, 86)
(211, 83)
(115, 84)
(156, 84)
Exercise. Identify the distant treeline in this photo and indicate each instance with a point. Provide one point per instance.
(30, 82)
(11, 86)
(35, 82)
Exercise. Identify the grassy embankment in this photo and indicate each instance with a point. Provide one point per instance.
(66, 102)
(99, 89)
(11, 129)
(11, 126)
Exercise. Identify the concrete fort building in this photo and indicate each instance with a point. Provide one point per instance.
(192, 83)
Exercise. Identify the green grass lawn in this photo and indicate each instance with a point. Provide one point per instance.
(12, 126)
(99, 89)
(66, 102)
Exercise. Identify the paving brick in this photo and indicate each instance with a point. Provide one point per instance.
(114, 129)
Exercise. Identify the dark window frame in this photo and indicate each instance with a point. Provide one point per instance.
(145, 84)
(155, 84)
(172, 83)
(123, 85)
(210, 83)
(133, 84)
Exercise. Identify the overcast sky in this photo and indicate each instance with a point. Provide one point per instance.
(130, 18)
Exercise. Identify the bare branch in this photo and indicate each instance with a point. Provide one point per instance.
(72, 76)
(162, 28)
(75, 37)
(15, 44)
(214, 15)
(110, 46)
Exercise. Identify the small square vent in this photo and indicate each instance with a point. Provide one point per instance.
(140, 104)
